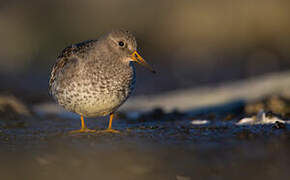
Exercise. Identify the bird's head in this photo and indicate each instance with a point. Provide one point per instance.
(123, 43)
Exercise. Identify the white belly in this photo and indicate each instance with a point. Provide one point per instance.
(100, 106)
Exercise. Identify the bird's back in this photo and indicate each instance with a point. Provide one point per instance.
(77, 51)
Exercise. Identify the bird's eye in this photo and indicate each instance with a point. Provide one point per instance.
(121, 43)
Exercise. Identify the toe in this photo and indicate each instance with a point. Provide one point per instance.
(84, 130)
(109, 131)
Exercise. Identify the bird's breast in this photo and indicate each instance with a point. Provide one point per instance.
(108, 90)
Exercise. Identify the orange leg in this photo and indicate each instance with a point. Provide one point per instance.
(84, 128)
(109, 129)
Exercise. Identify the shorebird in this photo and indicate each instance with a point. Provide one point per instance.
(95, 77)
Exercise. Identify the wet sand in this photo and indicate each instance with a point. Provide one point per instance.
(151, 145)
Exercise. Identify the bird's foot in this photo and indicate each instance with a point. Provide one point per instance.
(82, 130)
(109, 130)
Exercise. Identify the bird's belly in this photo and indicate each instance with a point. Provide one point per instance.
(100, 106)
(92, 103)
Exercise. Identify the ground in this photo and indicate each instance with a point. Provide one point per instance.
(202, 144)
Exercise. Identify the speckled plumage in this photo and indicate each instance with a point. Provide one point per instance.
(95, 77)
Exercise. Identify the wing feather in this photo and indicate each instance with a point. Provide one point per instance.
(76, 50)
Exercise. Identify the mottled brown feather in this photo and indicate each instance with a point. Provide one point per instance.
(63, 58)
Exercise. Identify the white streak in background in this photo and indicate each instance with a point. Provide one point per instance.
(52, 108)
(261, 118)
(48, 108)
(184, 100)
(199, 122)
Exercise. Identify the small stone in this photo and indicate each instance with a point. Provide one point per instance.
(279, 125)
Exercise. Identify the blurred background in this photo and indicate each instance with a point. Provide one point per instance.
(218, 53)
(190, 42)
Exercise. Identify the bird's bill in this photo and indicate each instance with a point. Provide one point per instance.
(136, 57)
